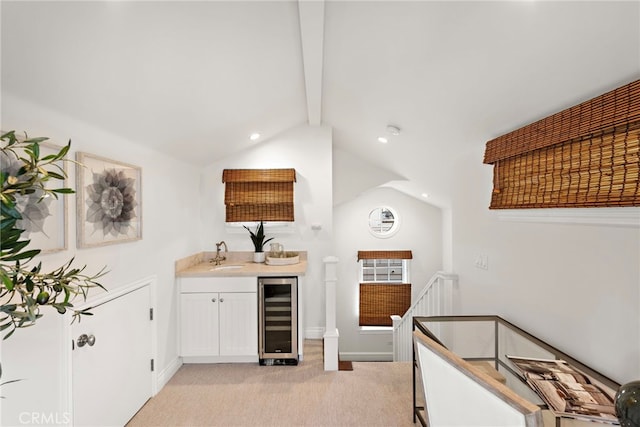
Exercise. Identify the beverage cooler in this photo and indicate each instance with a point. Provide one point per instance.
(278, 320)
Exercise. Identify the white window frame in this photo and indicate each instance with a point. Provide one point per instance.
(404, 279)
(382, 270)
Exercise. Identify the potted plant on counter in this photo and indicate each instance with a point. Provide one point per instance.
(258, 239)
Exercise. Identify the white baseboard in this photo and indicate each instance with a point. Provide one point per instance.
(366, 357)
(167, 373)
(314, 333)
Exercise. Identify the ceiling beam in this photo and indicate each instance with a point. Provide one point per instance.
(312, 37)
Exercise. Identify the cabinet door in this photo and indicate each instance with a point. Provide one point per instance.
(199, 324)
(111, 374)
(238, 324)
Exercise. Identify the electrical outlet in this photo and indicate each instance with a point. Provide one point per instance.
(482, 261)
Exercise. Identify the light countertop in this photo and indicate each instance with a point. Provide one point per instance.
(237, 264)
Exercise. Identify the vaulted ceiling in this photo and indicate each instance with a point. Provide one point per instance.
(194, 79)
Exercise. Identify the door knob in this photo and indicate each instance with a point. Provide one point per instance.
(86, 339)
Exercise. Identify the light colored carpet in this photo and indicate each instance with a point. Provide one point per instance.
(373, 394)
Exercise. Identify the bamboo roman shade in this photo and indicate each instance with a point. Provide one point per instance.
(259, 194)
(380, 300)
(384, 255)
(585, 156)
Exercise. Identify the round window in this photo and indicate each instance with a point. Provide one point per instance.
(383, 222)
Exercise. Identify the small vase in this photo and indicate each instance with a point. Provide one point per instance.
(627, 403)
(258, 257)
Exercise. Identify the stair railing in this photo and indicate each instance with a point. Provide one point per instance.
(436, 299)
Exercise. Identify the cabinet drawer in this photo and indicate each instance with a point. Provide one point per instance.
(218, 284)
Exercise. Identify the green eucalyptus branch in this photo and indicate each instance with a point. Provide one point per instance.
(24, 289)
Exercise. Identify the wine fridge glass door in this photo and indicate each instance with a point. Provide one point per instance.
(278, 319)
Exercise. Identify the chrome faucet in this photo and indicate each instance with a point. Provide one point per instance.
(219, 258)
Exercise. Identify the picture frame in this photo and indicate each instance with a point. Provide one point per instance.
(109, 201)
(45, 220)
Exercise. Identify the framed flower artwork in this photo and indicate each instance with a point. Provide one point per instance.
(109, 200)
(44, 219)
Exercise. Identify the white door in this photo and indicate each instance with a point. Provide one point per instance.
(111, 376)
(199, 324)
(238, 324)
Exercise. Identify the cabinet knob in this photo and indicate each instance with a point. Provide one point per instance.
(221, 299)
(86, 339)
(213, 300)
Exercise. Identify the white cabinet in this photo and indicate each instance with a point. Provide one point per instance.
(118, 350)
(219, 320)
(238, 324)
(199, 324)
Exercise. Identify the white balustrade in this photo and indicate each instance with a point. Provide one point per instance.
(436, 299)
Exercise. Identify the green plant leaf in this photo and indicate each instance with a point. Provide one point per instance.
(35, 146)
(55, 175)
(64, 190)
(7, 209)
(8, 308)
(60, 307)
(24, 255)
(36, 140)
(18, 246)
(7, 282)
(63, 152)
(7, 223)
(10, 236)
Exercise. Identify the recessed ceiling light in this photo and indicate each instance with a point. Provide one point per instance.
(382, 139)
(425, 195)
(254, 136)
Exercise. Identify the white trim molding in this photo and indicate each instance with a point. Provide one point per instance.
(376, 330)
(367, 356)
(166, 374)
(313, 332)
(621, 217)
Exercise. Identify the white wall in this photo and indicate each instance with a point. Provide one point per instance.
(420, 231)
(352, 175)
(170, 203)
(307, 149)
(574, 286)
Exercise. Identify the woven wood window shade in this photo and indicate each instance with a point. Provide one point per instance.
(378, 301)
(259, 194)
(384, 255)
(585, 156)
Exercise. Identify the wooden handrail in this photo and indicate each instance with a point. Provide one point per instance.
(532, 414)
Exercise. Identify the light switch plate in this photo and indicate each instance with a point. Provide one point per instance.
(482, 261)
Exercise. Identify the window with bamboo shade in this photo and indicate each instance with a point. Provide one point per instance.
(585, 156)
(259, 194)
(384, 290)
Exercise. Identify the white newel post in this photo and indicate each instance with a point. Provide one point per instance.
(397, 343)
(331, 332)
